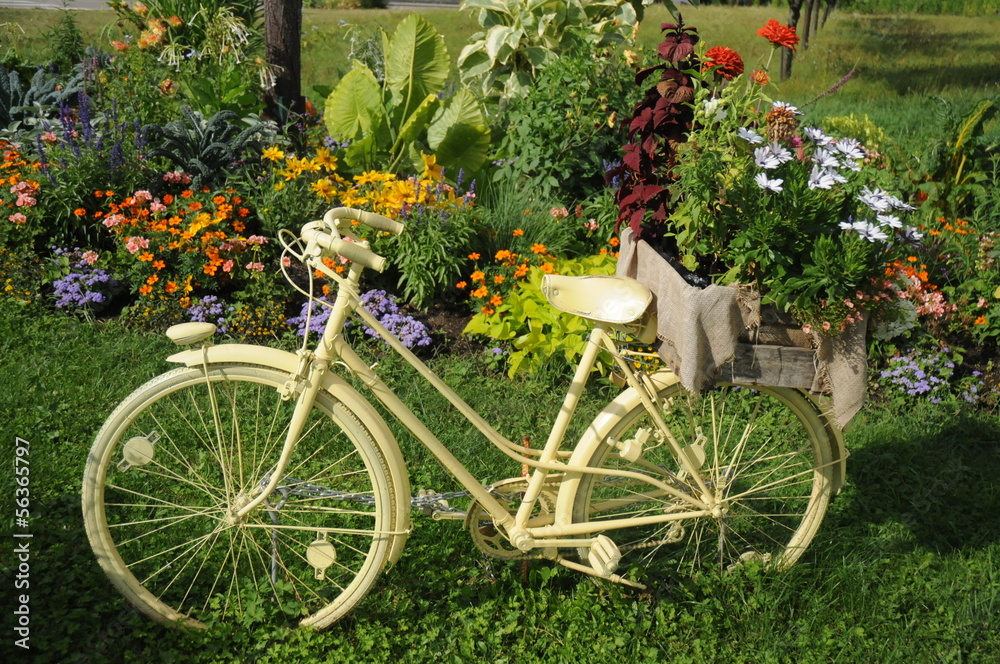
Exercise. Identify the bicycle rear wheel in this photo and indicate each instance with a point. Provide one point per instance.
(180, 454)
(763, 452)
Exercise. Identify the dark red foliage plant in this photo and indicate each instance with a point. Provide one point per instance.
(659, 122)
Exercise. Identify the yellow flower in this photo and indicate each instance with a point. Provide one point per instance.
(325, 159)
(278, 186)
(273, 153)
(432, 170)
(368, 177)
(324, 188)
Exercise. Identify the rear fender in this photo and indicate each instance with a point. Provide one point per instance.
(338, 388)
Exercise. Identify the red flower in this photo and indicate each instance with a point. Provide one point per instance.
(778, 34)
(759, 76)
(727, 62)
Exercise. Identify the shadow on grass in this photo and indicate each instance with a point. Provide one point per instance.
(936, 480)
(908, 56)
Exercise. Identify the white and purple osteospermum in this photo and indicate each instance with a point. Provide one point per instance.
(889, 220)
(910, 234)
(817, 136)
(877, 199)
(851, 148)
(750, 136)
(824, 159)
(764, 158)
(768, 185)
(783, 105)
(897, 204)
(820, 178)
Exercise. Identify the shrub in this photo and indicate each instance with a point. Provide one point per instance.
(558, 137)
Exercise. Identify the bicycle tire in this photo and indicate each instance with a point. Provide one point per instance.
(183, 449)
(766, 451)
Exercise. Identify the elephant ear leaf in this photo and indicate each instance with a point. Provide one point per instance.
(459, 136)
(416, 63)
(356, 96)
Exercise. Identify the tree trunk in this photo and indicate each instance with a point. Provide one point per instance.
(794, 9)
(283, 41)
(817, 10)
(807, 15)
(830, 6)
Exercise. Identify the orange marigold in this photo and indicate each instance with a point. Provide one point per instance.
(518, 232)
(496, 300)
(482, 291)
(538, 248)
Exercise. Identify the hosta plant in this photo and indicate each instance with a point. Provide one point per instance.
(389, 122)
(521, 37)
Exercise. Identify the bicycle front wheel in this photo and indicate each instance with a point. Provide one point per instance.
(180, 455)
(763, 455)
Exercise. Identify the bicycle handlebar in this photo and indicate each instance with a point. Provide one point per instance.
(318, 232)
(370, 219)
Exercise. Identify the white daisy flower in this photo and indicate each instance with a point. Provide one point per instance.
(768, 185)
(785, 105)
(889, 220)
(764, 158)
(817, 136)
(749, 135)
(910, 234)
(824, 159)
(850, 147)
(820, 178)
(897, 204)
(877, 200)
(781, 153)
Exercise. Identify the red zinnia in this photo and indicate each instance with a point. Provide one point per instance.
(778, 34)
(726, 61)
(759, 76)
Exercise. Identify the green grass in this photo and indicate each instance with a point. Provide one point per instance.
(906, 567)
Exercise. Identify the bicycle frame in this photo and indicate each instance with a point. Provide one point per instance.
(524, 531)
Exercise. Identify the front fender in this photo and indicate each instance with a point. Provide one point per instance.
(338, 388)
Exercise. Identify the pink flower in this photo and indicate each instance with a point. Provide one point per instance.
(134, 244)
(591, 225)
(256, 239)
(559, 213)
(255, 267)
(142, 196)
(49, 137)
(826, 325)
(286, 261)
(90, 257)
(17, 218)
(157, 206)
(848, 303)
(113, 220)
(981, 302)
(228, 265)
(23, 200)
(807, 329)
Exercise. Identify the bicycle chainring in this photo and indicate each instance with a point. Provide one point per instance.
(488, 536)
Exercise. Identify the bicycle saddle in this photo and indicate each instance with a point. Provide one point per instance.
(598, 297)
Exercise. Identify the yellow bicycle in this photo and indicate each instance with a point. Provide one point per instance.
(252, 474)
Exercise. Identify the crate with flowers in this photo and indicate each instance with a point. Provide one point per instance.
(766, 241)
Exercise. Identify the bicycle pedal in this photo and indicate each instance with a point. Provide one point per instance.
(604, 556)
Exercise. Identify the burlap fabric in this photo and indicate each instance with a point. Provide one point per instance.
(701, 327)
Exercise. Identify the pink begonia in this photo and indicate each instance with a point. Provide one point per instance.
(826, 325)
(256, 239)
(591, 225)
(17, 218)
(157, 206)
(286, 261)
(255, 267)
(113, 220)
(807, 328)
(135, 243)
(25, 201)
(228, 265)
(49, 137)
(90, 257)
(559, 213)
(142, 196)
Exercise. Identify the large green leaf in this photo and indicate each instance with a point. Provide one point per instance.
(416, 62)
(418, 121)
(461, 109)
(356, 96)
(459, 135)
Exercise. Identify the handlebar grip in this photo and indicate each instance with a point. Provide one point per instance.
(370, 219)
(349, 250)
